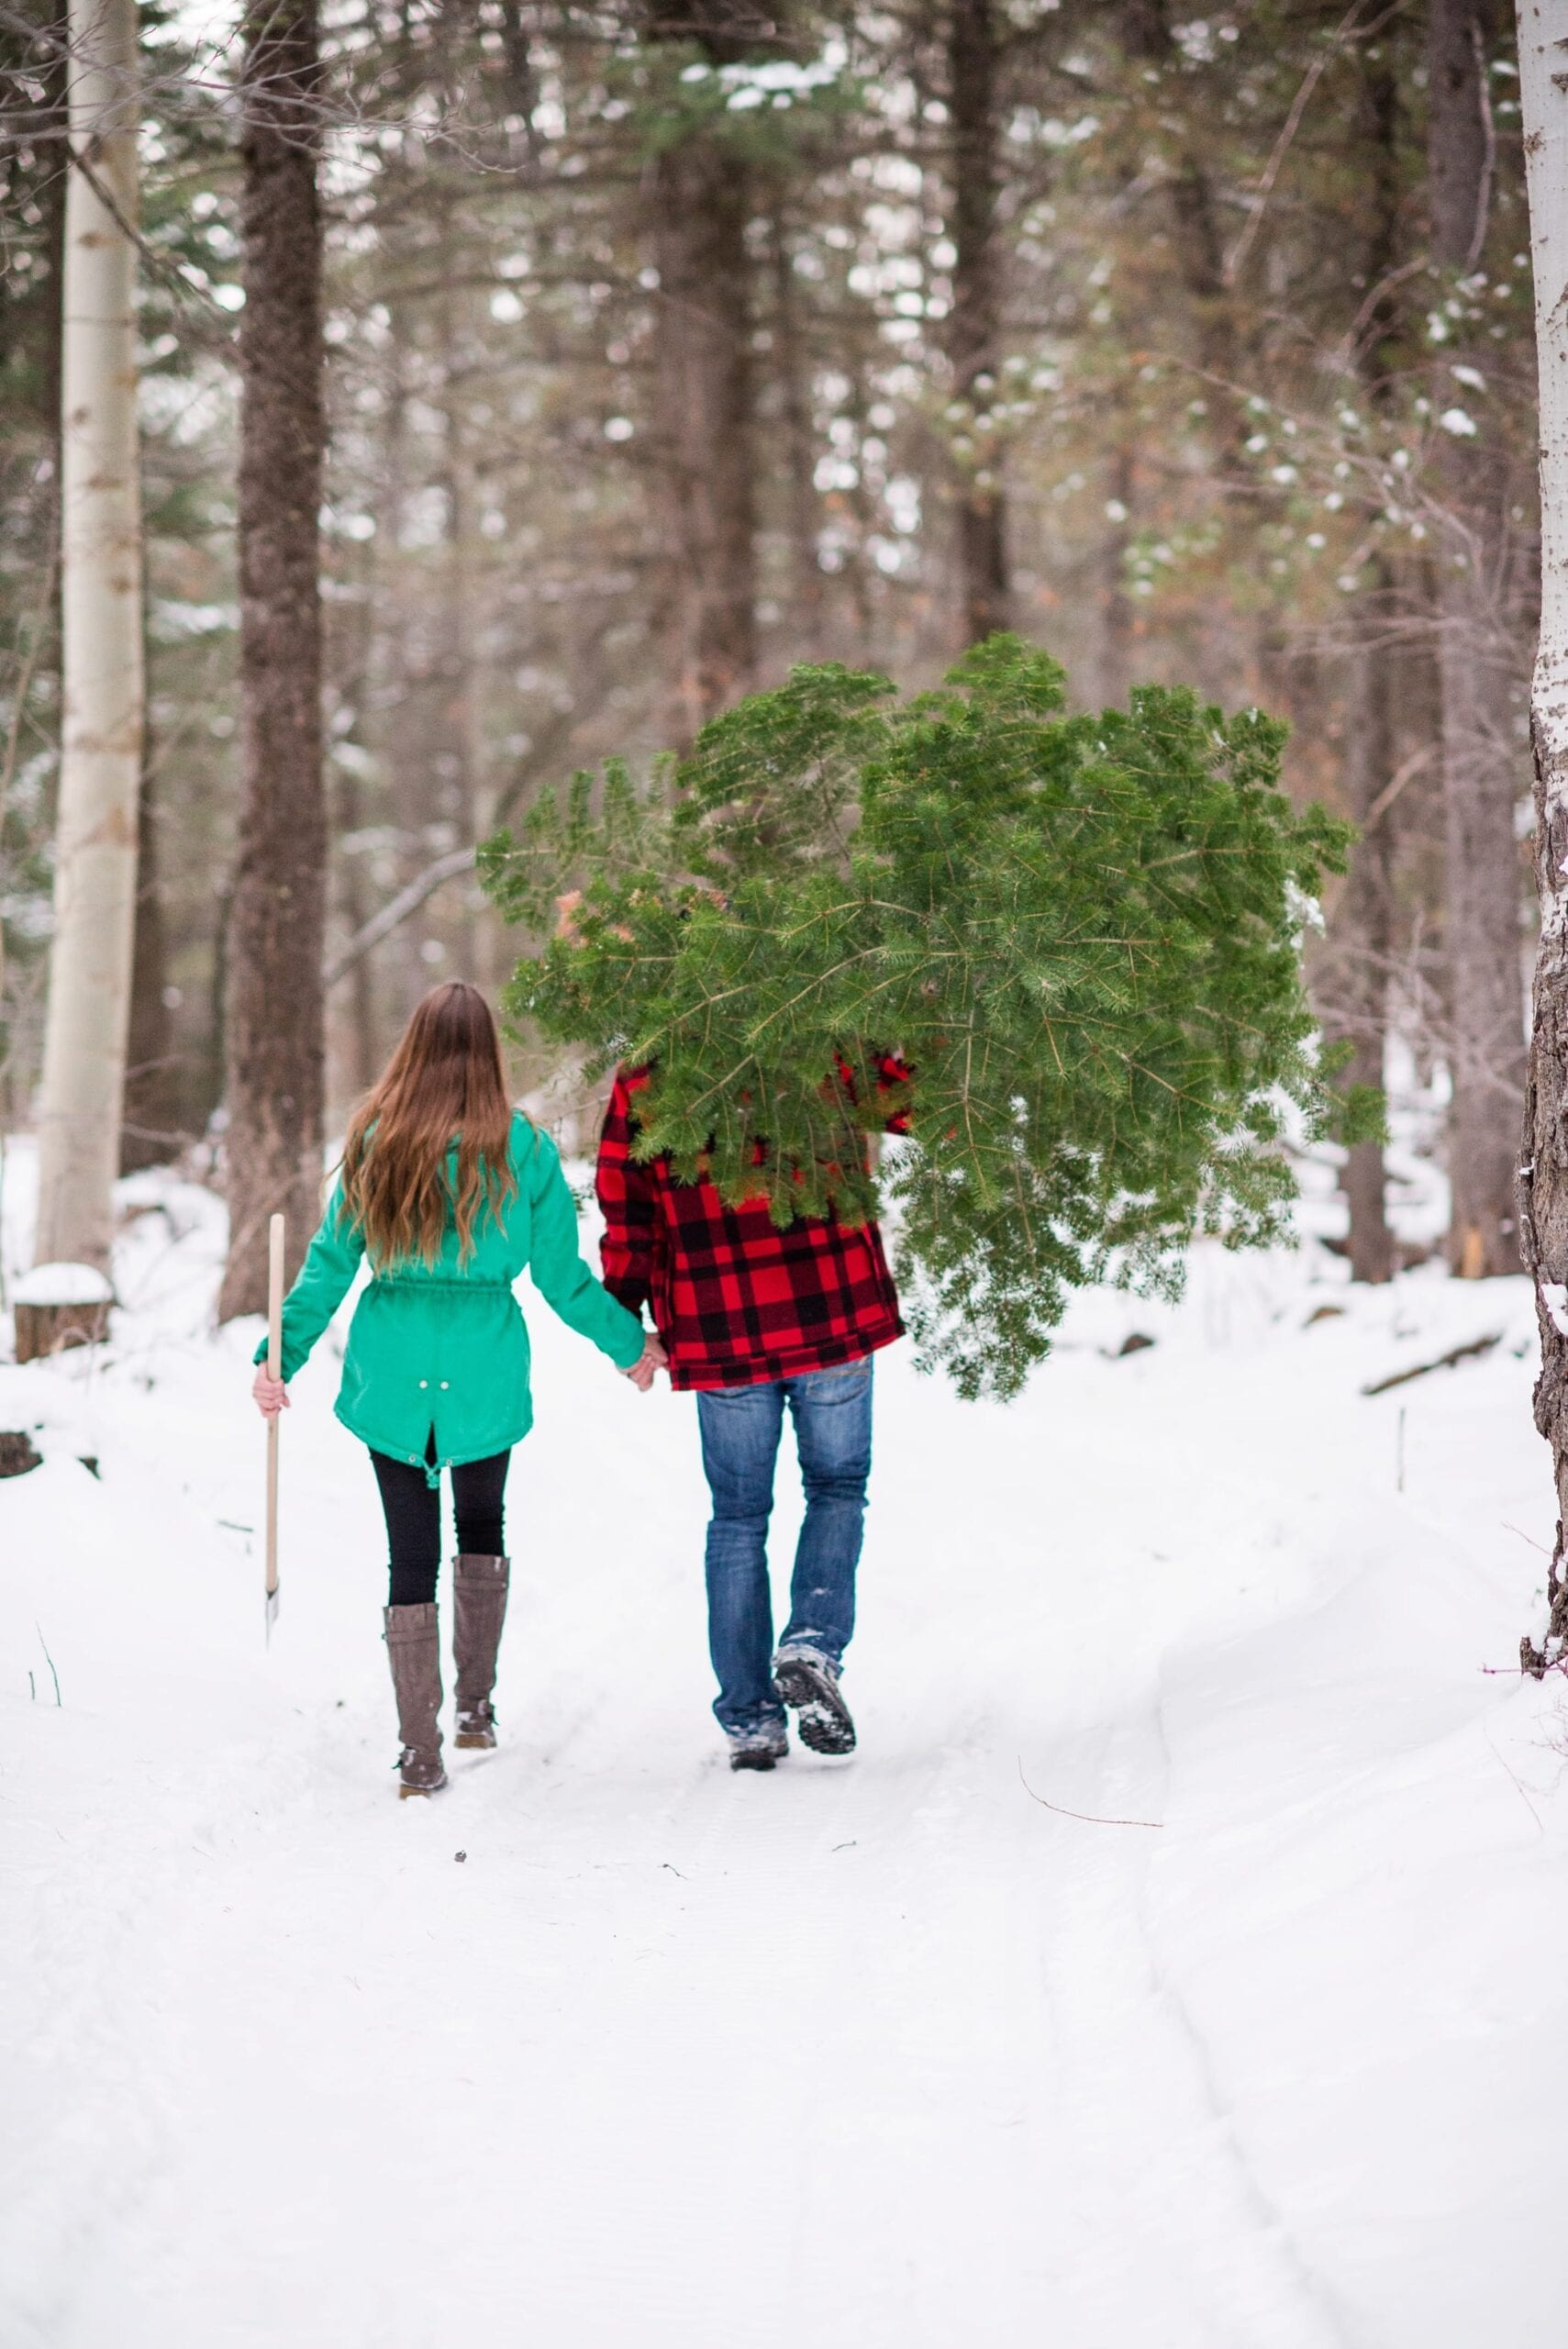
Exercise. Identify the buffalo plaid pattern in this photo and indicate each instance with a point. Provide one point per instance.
(735, 1299)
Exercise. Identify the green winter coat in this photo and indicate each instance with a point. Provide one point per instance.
(444, 1346)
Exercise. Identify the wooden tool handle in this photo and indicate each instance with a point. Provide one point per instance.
(274, 1297)
(275, 1370)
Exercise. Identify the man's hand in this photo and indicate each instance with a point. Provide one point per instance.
(272, 1395)
(653, 1358)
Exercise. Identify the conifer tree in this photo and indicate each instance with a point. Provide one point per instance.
(274, 1010)
(1080, 935)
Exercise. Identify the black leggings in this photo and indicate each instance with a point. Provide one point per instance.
(413, 1519)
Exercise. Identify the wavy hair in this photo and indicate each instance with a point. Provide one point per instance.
(443, 1087)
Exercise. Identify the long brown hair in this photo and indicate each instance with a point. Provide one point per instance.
(444, 1085)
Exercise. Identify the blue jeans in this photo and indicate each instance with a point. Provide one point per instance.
(740, 1430)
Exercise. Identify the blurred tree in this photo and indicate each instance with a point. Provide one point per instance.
(701, 195)
(1481, 782)
(276, 1043)
(32, 203)
(975, 330)
(1363, 937)
(101, 665)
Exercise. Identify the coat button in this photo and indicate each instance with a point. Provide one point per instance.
(444, 1385)
(424, 1382)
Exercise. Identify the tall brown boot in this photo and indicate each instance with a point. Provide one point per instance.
(481, 1609)
(413, 1650)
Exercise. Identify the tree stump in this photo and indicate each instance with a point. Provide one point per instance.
(58, 1306)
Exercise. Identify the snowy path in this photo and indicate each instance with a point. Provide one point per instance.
(884, 2055)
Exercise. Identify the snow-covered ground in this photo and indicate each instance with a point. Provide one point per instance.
(607, 2046)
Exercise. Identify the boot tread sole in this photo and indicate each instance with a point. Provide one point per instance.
(824, 1725)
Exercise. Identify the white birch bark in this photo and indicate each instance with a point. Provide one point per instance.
(1543, 76)
(1544, 1175)
(94, 886)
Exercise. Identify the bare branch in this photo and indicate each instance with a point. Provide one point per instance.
(1282, 144)
(1090, 1818)
(396, 912)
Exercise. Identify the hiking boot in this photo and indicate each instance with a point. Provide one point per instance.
(757, 1749)
(479, 1586)
(809, 1682)
(414, 1651)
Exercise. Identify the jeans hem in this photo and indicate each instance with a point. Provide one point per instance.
(748, 1723)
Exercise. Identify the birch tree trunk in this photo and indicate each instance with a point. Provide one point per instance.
(1482, 912)
(95, 888)
(975, 339)
(275, 1024)
(1543, 1170)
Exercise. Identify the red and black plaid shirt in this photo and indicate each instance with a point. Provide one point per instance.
(735, 1299)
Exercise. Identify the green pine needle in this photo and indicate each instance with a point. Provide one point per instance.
(1081, 934)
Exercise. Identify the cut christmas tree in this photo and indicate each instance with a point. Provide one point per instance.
(1080, 936)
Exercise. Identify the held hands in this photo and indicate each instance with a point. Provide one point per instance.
(272, 1395)
(653, 1359)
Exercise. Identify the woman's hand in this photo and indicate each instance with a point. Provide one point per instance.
(653, 1358)
(272, 1395)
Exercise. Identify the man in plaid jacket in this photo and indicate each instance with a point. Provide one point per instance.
(757, 1322)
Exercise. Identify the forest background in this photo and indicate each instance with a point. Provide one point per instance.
(668, 346)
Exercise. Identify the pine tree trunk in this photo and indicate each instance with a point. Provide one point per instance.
(459, 731)
(355, 1048)
(275, 1049)
(1543, 1173)
(700, 198)
(1113, 676)
(149, 1133)
(1363, 935)
(1479, 785)
(975, 339)
(349, 1006)
(94, 894)
(1362, 939)
(1147, 30)
(792, 372)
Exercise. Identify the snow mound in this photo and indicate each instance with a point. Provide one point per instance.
(63, 1285)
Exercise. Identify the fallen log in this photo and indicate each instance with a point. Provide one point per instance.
(1467, 1353)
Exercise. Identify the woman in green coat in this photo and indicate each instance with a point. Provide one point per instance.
(449, 1195)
